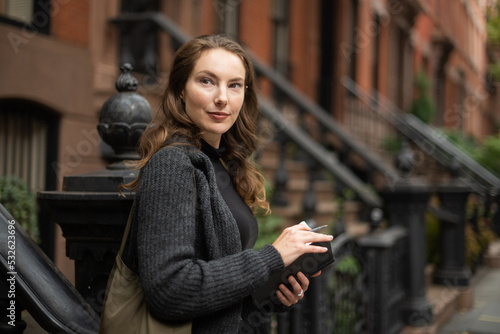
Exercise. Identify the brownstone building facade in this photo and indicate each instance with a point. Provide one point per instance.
(59, 60)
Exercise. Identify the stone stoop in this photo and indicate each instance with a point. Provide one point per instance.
(492, 256)
(327, 208)
(446, 301)
(297, 186)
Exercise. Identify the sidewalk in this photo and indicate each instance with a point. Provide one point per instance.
(31, 325)
(484, 316)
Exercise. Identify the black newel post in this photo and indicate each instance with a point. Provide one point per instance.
(90, 210)
(452, 270)
(405, 203)
(384, 253)
(281, 177)
(496, 218)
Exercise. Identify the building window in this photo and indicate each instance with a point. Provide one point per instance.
(28, 14)
(281, 42)
(354, 37)
(139, 42)
(28, 150)
(376, 54)
(28, 143)
(462, 95)
(229, 13)
(19, 10)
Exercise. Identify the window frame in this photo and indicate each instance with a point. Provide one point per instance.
(40, 7)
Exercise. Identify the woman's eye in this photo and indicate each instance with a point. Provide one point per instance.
(206, 81)
(235, 85)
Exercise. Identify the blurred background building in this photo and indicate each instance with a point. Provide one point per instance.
(59, 60)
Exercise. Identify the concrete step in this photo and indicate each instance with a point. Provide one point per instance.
(327, 209)
(492, 256)
(446, 301)
(449, 301)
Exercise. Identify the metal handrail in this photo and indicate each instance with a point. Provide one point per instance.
(325, 158)
(325, 119)
(429, 139)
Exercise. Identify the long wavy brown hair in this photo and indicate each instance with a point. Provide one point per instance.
(240, 142)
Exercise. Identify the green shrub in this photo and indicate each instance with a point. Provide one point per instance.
(495, 71)
(493, 24)
(343, 293)
(466, 143)
(392, 144)
(349, 266)
(270, 227)
(489, 154)
(423, 106)
(433, 230)
(21, 203)
(473, 248)
(477, 240)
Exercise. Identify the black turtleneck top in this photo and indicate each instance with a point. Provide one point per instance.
(247, 223)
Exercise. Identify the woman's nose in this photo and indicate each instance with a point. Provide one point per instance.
(221, 98)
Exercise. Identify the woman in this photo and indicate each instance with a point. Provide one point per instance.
(193, 226)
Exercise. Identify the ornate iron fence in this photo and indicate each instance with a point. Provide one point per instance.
(359, 293)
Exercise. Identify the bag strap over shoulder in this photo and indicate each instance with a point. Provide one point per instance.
(127, 231)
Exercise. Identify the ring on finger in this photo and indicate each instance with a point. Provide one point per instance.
(301, 293)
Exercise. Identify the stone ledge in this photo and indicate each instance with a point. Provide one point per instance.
(446, 302)
(492, 256)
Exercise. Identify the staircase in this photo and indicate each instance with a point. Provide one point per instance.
(329, 209)
(297, 188)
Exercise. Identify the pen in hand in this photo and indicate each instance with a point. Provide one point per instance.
(317, 228)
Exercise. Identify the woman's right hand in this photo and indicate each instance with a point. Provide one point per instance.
(295, 241)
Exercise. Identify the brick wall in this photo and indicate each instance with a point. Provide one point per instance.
(70, 21)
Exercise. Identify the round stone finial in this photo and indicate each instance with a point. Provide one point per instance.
(123, 119)
(126, 81)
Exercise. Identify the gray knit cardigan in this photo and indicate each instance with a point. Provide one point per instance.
(189, 257)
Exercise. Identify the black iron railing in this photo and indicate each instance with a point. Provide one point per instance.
(385, 118)
(325, 158)
(360, 293)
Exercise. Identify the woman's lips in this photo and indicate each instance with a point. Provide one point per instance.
(218, 115)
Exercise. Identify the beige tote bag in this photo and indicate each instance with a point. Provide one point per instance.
(125, 311)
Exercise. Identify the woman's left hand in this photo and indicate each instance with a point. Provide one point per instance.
(288, 297)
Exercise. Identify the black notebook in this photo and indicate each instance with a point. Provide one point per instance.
(308, 264)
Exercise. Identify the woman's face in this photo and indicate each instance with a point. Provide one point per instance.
(214, 93)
